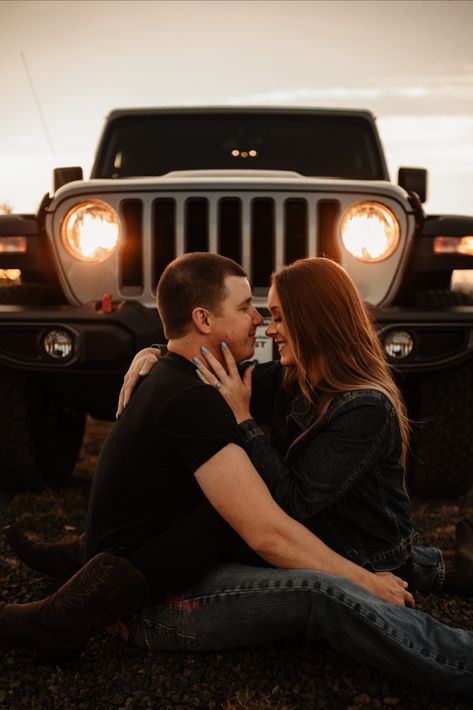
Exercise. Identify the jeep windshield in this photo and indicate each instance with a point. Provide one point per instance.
(147, 144)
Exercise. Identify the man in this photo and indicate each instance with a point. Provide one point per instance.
(177, 447)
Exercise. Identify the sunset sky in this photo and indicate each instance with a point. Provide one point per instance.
(64, 65)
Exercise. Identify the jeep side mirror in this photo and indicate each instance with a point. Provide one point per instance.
(413, 180)
(61, 176)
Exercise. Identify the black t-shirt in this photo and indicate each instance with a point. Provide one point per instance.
(144, 481)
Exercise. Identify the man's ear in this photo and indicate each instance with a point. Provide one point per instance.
(201, 319)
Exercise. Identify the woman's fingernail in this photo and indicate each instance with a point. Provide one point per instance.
(224, 345)
(204, 350)
(117, 415)
(198, 372)
(197, 360)
(143, 373)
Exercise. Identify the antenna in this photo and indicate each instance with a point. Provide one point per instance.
(38, 105)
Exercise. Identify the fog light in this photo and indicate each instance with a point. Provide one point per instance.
(58, 344)
(398, 344)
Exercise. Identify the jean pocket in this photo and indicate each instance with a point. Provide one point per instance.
(161, 636)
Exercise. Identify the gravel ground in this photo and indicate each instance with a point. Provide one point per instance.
(283, 676)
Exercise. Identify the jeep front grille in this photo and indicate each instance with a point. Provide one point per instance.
(251, 229)
(258, 226)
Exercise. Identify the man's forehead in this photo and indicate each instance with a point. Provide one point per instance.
(238, 287)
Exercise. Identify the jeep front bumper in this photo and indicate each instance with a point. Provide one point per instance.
(107, 342)
(102, 342)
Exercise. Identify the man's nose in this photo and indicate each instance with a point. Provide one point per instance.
(257, 317)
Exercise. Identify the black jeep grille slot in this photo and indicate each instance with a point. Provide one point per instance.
(131, 252)
(197, 224)
(295, 230)
(327, 220)
(262, 241)
(164, 232)
(229, 228)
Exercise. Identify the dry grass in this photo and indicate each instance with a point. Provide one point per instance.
(245, 699)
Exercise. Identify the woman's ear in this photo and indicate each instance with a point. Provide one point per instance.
(201, 320)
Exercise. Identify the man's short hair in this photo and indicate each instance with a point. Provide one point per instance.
(192, 280)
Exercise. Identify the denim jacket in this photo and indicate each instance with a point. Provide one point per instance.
(341, 476)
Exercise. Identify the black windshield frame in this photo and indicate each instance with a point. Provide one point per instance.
(148, 144)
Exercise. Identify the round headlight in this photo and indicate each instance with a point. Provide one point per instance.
(90, 231)
(369, 231)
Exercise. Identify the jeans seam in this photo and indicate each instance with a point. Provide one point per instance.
(396, 639)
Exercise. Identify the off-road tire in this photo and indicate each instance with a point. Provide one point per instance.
(442, 457)
(441, 405)
(41, 435)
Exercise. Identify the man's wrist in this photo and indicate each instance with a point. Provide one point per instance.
(250, 429)
(364, 578)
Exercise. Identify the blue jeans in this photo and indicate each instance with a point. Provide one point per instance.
(236, 605)
(428, 569)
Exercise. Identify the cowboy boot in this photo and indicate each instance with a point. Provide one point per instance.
(60, 626)
(459, 562)
(55, 559)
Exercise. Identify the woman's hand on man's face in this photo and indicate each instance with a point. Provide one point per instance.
(141, 365)
(235, 390)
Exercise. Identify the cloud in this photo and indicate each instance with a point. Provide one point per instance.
(454, 68)
(447, 85)
(17, 143)
(450, 89)
(444, 145)
(33, 144)
(438, 138)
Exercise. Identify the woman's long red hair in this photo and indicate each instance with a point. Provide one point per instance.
(333, 335)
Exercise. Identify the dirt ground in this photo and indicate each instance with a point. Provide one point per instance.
(285, 676)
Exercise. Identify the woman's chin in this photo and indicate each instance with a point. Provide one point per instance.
(286, 361)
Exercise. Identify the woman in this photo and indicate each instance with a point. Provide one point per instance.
(345, 431)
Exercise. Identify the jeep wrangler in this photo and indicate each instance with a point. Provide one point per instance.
(263, 186)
